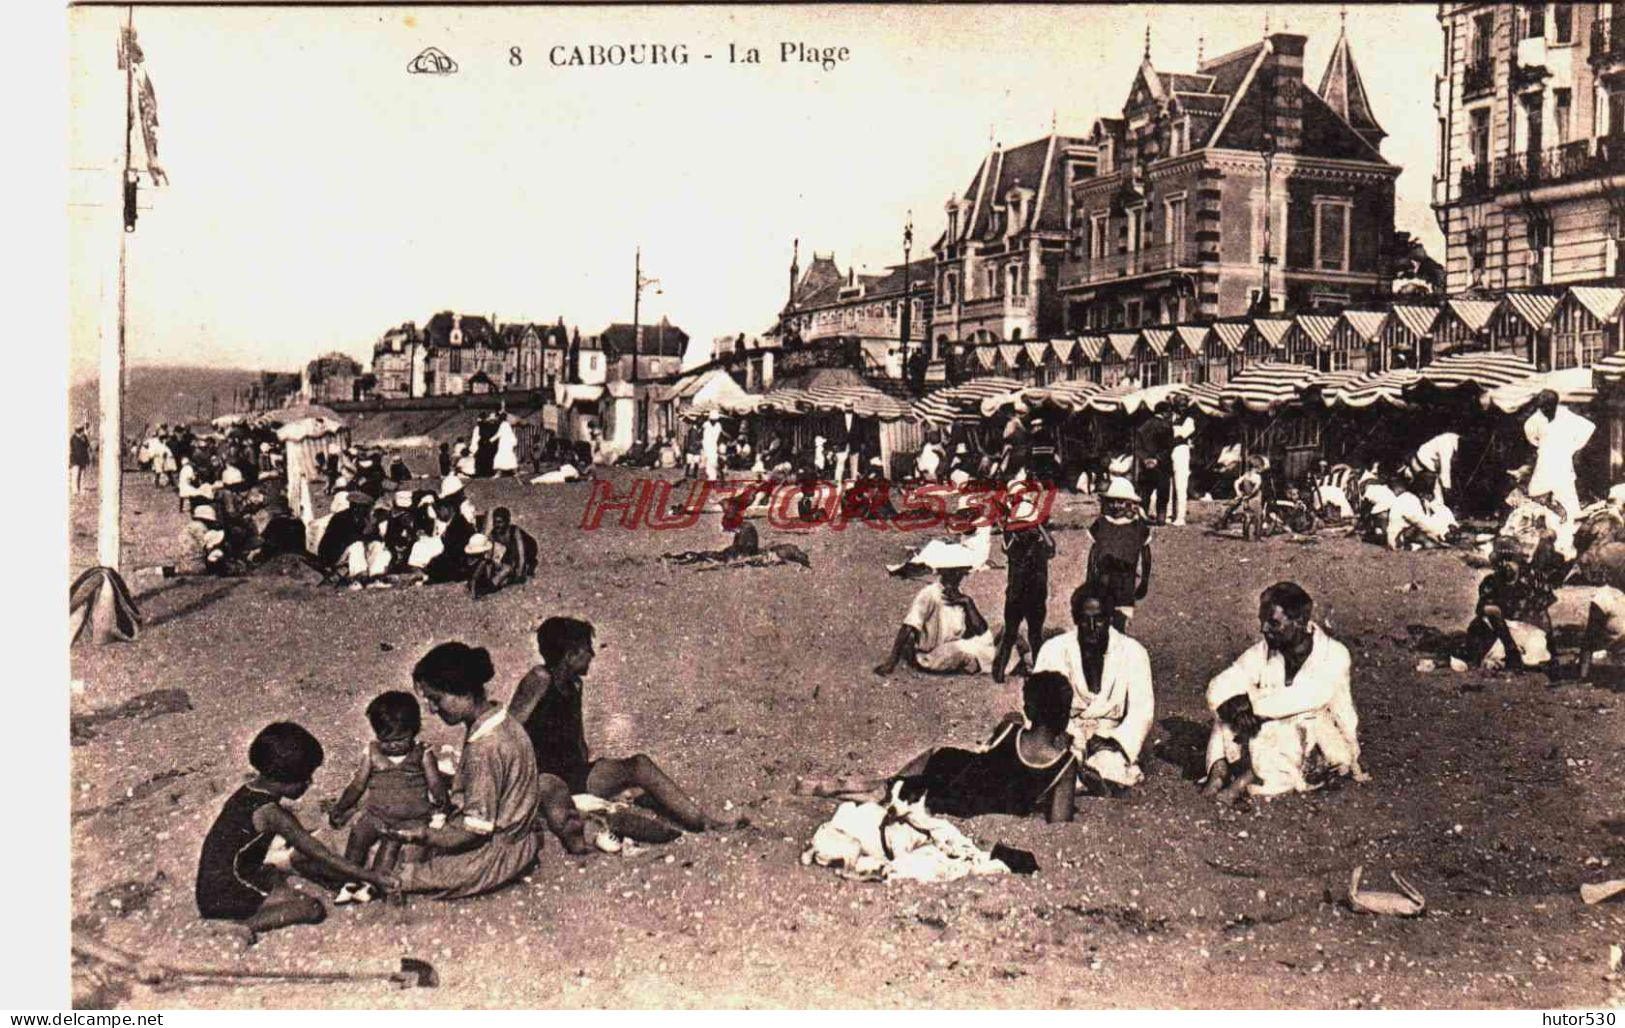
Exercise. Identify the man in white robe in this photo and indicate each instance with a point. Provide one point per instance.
(1557, 434)
(1113, 705)
(711, 447)
(506, 461)
(1286, 699)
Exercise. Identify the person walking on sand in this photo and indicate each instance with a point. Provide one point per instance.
(78, 457)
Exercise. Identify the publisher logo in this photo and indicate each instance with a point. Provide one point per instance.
(432, 61)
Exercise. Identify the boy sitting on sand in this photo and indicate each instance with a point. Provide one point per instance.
(233, 881)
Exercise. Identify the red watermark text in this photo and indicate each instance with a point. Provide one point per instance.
(876, 504)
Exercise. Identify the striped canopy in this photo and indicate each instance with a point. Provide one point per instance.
(784, 400)
(1482, 370)
(962, 404)
(1330, 385)
(1205, 396)
(837, 390)
(1265, 386)
(1572, 385)
(1385, 388)
(1610, 370)
(1534, 309)
(1110, 399)
(1069, 396)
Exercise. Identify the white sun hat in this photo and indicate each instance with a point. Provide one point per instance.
(1121, 489)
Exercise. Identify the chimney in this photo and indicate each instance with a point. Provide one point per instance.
(1281, 86)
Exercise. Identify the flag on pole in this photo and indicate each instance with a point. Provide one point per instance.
(130, 58)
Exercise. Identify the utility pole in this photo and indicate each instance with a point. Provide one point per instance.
(905, 324)
(637, 298)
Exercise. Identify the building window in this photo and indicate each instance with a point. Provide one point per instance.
(1099, 224)
(950, 289)
(1562, 23)
(1478, 136)
(1015, 280)
(1173, 221)
(455, 363)
(1534, 20)
(1136, 228)
(1562, 105)
(1332, 234)
(1483, 38)
(1131, 314)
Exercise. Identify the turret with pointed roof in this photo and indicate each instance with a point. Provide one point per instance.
(1344, 92)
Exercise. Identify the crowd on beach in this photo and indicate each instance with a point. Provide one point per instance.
(1283, 714)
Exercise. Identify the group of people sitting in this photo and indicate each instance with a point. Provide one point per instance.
(416, 826)
(421, 536)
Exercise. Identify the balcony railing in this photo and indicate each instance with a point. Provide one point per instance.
(1583, 158)
(1123, 265)
(1478, 77)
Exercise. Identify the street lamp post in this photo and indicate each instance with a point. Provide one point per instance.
(637, 300)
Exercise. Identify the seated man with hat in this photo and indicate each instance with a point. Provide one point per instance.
(943, 632)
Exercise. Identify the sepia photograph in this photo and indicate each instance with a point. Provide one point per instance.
(882, 507)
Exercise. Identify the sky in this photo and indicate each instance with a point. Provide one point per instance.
(319, 194)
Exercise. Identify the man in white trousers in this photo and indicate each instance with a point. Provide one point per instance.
(1184, 433)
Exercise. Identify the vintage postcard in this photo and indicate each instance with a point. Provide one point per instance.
(901, 507)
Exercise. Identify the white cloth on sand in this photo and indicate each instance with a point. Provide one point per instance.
(943, 644)
(856, 842)
(563, 473)
(1533, 646)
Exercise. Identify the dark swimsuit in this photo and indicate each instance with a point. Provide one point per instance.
(970, 783)
(558, 736)
(232, 879)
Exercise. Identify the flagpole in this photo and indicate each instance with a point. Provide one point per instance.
(111, 390)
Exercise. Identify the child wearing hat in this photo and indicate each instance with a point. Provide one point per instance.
(1512, 623)
(1120, 556)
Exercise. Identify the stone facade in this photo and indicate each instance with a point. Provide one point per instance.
(1529, 188)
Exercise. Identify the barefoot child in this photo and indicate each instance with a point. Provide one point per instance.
(1021, 770)
(548, 703)
(233, 881)
(399, 785)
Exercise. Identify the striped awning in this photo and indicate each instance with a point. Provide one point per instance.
(1533, 309)
(1123, 343)
(1379, 387)
(1418, 321)
(1110, 400)
(1205, 396)
(1366, 325)
(1601, 302)
(1069, 396)
(1331, 384)
(785, 400)
(1092, 347)
(1273, 330)
(1610, 371)
(831, 393)
(1572, 385)
(1481, 370)
(961, 404)
(1011, 352)
(987, 356)
(1062, 348)
(1036, 352)
(1265, 386)
(1230, 334)
(1157, 339)
(1318, 327)
(1475, 314)
(1193, 336)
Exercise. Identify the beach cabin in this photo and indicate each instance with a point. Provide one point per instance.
(1085, 359)
(1222, 355)
(1356, 341)
(1463, 327)
(1586, 326)
(1306, 340)
(1151, 354)
(1406, 339)
(1522, 325)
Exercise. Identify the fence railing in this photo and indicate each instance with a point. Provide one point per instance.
(1160, 257)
